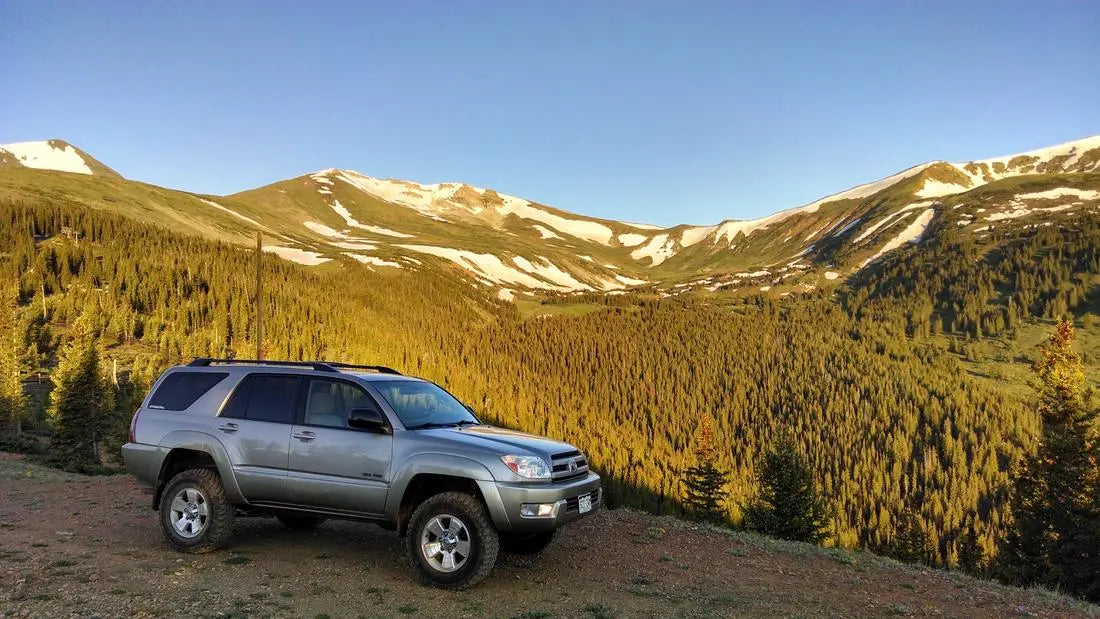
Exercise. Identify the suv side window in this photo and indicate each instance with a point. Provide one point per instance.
(179, 390)
(328, 402)
(265, 397)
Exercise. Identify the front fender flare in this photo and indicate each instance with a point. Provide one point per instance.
(450, 465)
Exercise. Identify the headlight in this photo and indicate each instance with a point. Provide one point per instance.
(531, 467)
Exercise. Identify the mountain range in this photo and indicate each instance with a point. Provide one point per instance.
(337, 218)
(899, 358)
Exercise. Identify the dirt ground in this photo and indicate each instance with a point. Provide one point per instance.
(90, 546)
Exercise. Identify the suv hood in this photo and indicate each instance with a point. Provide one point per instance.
(503, 440)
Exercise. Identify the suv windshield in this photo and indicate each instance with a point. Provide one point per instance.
(420, 404)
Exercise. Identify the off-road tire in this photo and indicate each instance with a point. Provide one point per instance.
(300, 522)
(526, 544)
(219, 524)
(484, 540)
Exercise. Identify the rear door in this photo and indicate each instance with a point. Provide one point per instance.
(333, 466)
(255, 428)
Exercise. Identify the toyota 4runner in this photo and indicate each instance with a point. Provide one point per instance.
(306, 441)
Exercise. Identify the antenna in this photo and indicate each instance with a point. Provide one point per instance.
(259, 297)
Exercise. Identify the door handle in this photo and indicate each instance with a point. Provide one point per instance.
(228, 427)
(304, 436)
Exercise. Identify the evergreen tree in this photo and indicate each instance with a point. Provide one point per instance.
(705, 482)
(910, 543)
(13, 401)
(1054, 501)
(80, 399)
(788, 506)
(970, 554)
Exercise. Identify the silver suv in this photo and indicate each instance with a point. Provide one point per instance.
(306, 441)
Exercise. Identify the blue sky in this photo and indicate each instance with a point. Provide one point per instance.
(659, 112)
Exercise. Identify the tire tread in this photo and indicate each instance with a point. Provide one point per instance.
(486, 532)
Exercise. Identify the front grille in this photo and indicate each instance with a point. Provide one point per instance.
(568, 465)
(572, 503)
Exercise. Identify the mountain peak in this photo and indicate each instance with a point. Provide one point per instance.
(52, 154)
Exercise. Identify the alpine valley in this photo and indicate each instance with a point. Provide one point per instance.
(889, 327)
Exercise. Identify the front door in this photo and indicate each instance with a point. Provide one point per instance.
(331, 465)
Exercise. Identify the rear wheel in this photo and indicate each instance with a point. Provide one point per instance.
(526, 543)
(300, 522)
(195, 513)
(451, 541)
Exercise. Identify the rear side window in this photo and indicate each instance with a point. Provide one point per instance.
(179, 390)
(265, 397)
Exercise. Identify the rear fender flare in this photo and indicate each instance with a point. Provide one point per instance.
(199, 441)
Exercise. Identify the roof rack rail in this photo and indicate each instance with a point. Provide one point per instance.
(203, 362)
(377, 368)
(319, 366)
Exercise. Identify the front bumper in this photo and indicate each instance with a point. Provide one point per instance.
(506, 499)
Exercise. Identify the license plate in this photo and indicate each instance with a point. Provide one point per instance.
(584, 503)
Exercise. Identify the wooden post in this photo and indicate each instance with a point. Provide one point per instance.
(259, 296)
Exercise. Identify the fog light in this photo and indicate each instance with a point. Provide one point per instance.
(536, 510)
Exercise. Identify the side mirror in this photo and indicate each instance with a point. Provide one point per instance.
(369, 419)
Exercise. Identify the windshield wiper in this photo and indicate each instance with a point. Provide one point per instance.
(431, 424)
(435, 424)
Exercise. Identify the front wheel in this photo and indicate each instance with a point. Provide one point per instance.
(195, 514)
(451, 541)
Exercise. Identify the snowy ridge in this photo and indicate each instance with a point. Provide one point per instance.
(442, 200)
(864, 190)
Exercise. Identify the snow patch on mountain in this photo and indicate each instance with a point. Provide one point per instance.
(359, 245)
(728, 231)
(412, 195)
(911, 234)
(351, 221)
(893, 218)
(848, 226)
(630, 281)
(629, 239)
(933, 188)
(545, 233)
(658, 249)
(551, 272)
(43, 155)
(324, 230)
(587, 230)
(372, 260)
(301, 256)
(487, 267)
(1061, 192)
(691, 236)
(233, 213)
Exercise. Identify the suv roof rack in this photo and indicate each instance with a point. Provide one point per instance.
(319, 366)
(352, 366)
